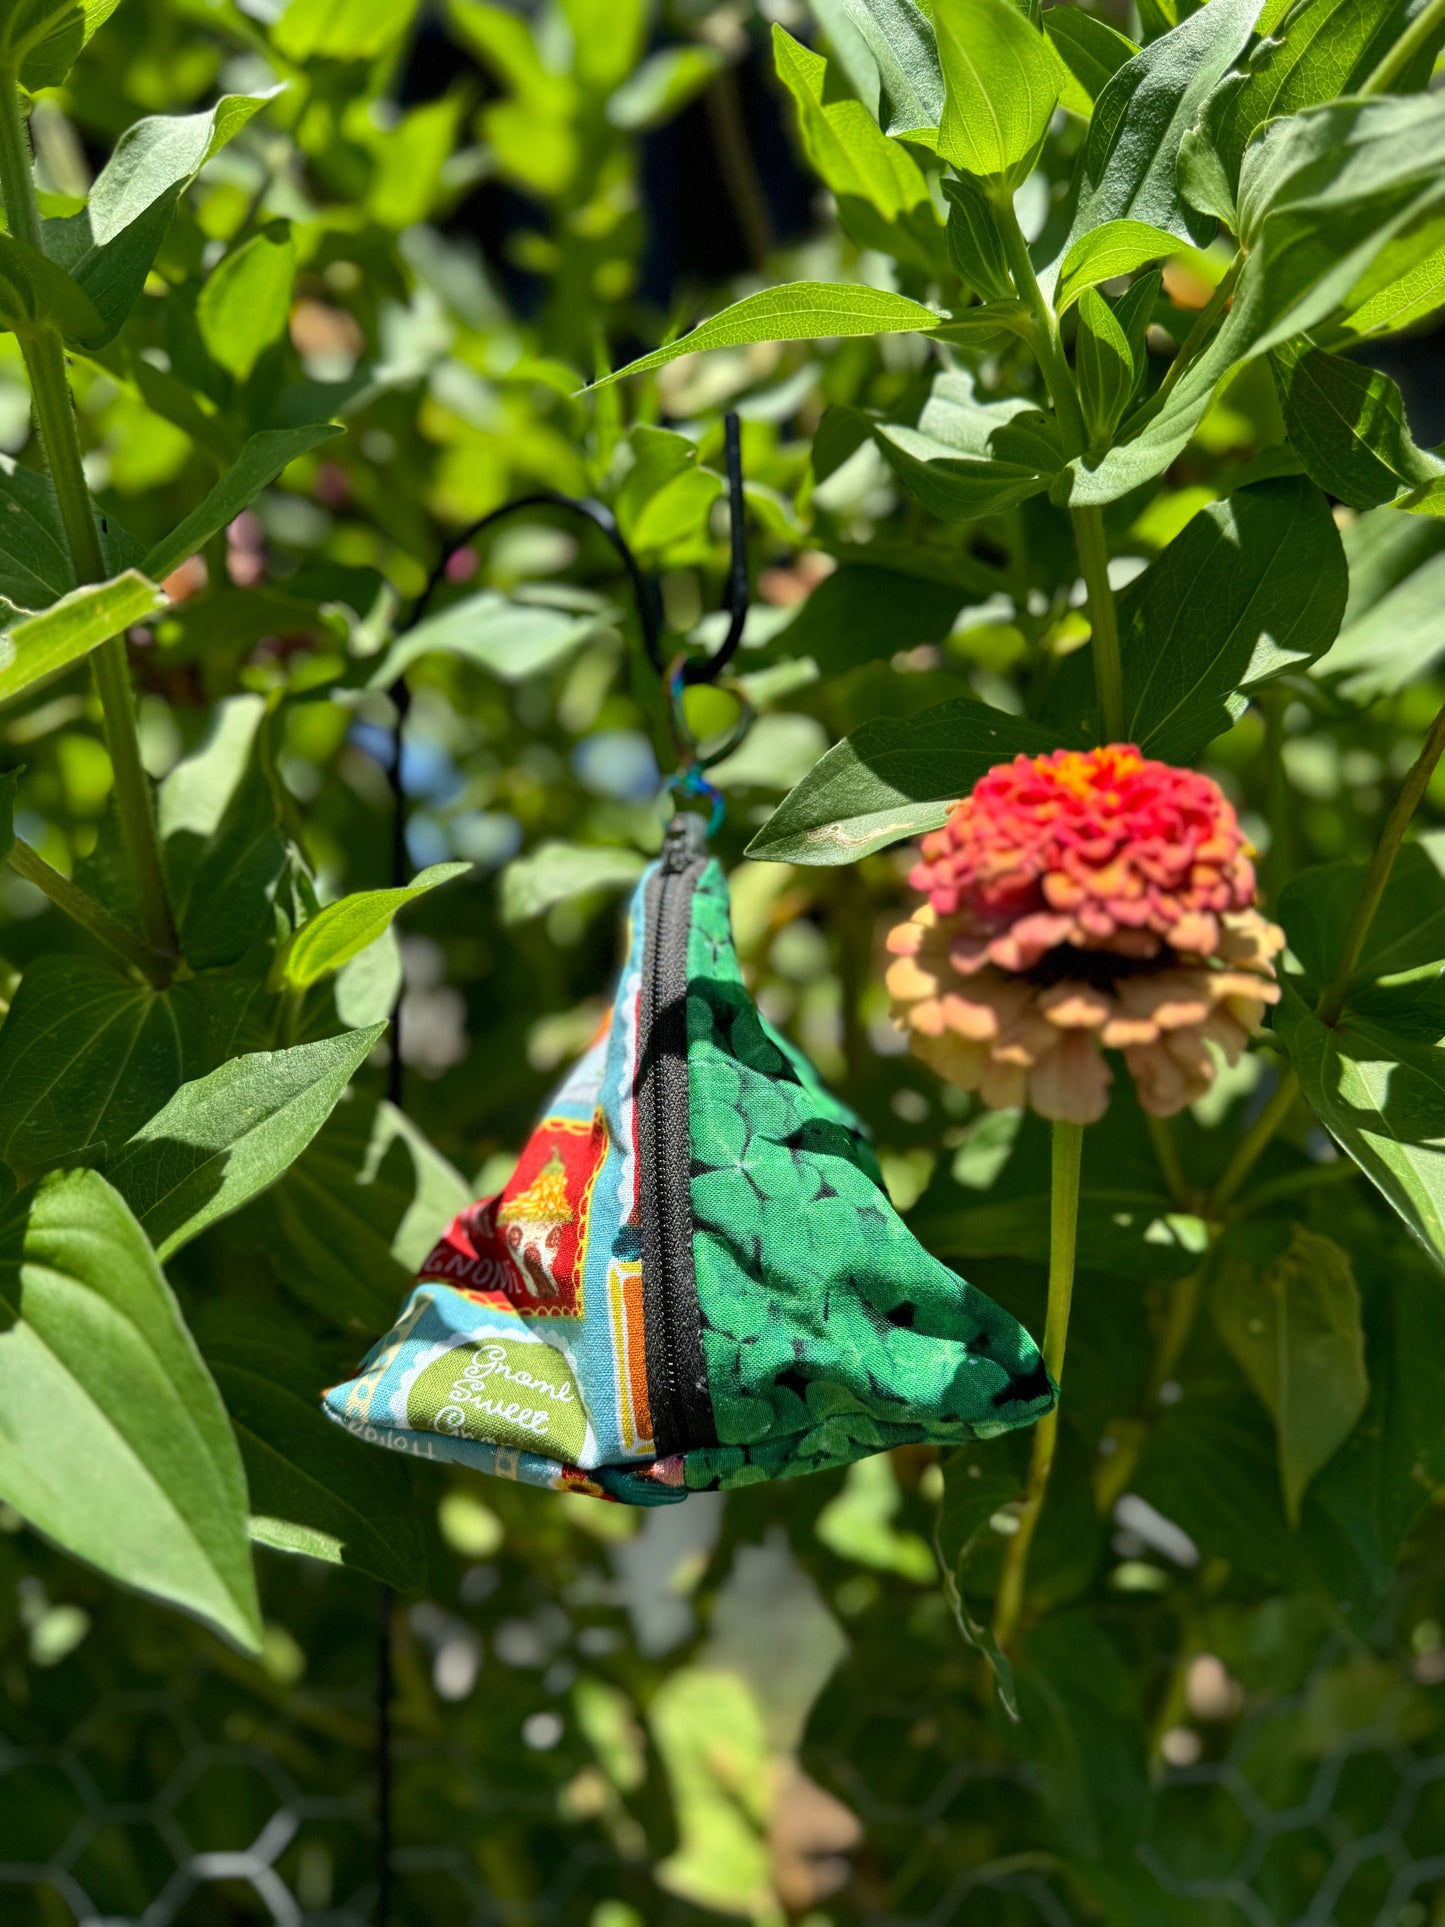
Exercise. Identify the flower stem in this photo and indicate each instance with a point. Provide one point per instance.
(1046, 341)
(83, 909)
(1093, 550)
(1254, 1141)
(1332, 1001)
(1404, 50)
(1063, 1244)
(44, 355)
(1114, 1475)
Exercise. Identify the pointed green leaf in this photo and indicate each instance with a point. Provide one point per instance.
(35, 291)
(1347, 423)
(1104, 359)
(1128, 167)
(356, 1214)
(260, 461)
(1392, 634)
(1118, 247)
(115, 1442)
(246, 299)
(1294, 1329)
(555, 872)
(225, 1137)
(1251, 587)
(899, 38)
(87, 1054)
(796, 311)
(1001, 85)
(1089, 52)
(891, 779)
(342, 930)
(509, 638)
(1376, 1081)
(109, 246)
(69, 629)
(311, 1491)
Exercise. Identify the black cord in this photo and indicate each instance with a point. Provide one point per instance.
(708, 668)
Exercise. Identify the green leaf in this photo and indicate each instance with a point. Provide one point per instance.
(1118, 247)
(893, 778)
(44, 38)
(115, 1442)
(87, 1054)
(43, 645)
(343, 929)
(1406, 934)
(351, 1221)
(796, 311)
(1294, 1330)
(311, 1491)
(554, 872)
(1127, 168)
(244, 304)
(510, 639)
(340, 29)
(975, 246)
(1089, 53)
(1376, 1081)
(1104, 360)
(661, 87)
(9, 784)
(225, 1137)
(1392, 633)
(221, 842)
(883, 198)
(861, 613)
(1251, 587)
(1347, 423)
(665, 497)
(967, 457)
(1318, 50)
(900, 40)
(35, 292)
(978, 1499)
(1000, 82)
(34, 559)
(261, 460)
(109, 246)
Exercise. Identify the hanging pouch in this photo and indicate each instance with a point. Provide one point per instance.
(694, 1277)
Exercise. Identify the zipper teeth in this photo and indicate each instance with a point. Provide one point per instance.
(679, 1420)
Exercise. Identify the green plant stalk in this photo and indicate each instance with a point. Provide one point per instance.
(44, 355)
(1068, 1150)
(1045, 338)
(1093, 550)
(1114, 1474)
(1405, 48)
(1171, 1165)
(83, 909)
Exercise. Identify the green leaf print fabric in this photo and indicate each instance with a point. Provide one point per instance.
(694, 1277)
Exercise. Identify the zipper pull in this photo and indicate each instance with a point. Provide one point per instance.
(684, 841)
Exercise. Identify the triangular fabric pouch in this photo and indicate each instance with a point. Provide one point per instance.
(694, 1278)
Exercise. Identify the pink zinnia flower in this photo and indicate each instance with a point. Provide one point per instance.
(1081, 901)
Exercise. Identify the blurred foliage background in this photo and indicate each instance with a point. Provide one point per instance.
(755, 1706)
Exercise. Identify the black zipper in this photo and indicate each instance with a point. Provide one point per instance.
(682, 1414)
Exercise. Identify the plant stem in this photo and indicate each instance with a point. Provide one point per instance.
(1332, 1001)
(1405, 48)
(1171, 1167)
(1063, 1243)
(1093, 550)
(1114, 1475)
(55, 417)
(83, 909)
(1253, 1142)
(1046, 341)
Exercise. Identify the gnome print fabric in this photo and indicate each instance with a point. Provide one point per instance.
(694, 1277)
